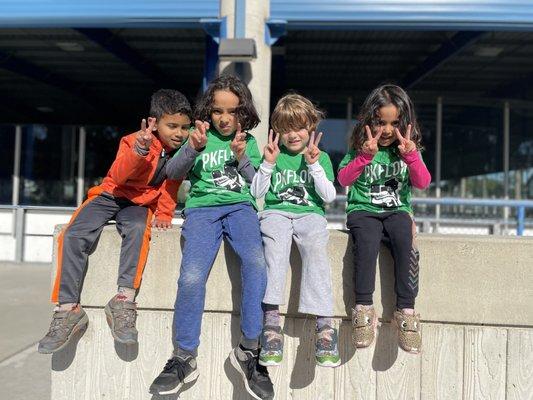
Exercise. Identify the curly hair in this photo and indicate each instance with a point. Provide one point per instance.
(383, 96)
(294, 112)
(246, 113)
(169, 101)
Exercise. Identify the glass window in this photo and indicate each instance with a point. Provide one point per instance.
(7, 154)
(49, 165)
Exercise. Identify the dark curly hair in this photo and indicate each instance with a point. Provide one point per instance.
(169, 101)
(246, 113)
(383, 96)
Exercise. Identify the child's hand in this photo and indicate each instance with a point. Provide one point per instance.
(238, 144)
(312, 152)
(370, 146)
(271, 151)
(406, 144)
(144, 137)
(198, 137)
(159, 224)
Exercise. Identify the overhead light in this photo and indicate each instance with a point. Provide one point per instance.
(70, 46)
(488, 51)
(45, 109)
(237, 50)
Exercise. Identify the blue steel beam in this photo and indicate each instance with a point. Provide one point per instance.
(120, 49)
(446, 51)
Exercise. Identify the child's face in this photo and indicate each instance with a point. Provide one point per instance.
(295, 141)
(388, 120)
(173, 129)
(223, 114)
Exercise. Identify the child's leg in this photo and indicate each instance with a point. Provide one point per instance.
(276, 231)
(134, 225)
(366, 230)
(75, 243)
(311, 237)
(202, 234)
(241, 227)
(399, 227)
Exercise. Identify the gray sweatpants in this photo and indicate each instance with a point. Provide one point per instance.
(310, 233)
(79, 237)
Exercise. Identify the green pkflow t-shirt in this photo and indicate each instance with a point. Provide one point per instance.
(292, 188)
(214, 177)
(384, 184)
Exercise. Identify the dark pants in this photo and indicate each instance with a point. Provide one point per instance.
(367, 230)
(78, 238)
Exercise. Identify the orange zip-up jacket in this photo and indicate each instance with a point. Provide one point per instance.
(130, 175)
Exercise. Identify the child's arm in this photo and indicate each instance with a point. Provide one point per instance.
(323, 186)
(184, 159)
(166, 204)
(353, 170)
(261, 181)
(418, 172)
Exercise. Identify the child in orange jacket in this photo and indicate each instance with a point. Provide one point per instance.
(137, 195)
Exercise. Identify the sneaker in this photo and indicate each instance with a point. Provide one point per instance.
(63, 326)
(365, 325)
(409, 336)
(326, 347)
(255, 376)
(271, 353)
(121, 316)
(177, 371)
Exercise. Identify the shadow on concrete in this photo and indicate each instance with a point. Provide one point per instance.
(63, 359)
(174, 396)
(127, 352)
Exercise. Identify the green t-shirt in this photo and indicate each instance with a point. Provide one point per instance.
(292, 188)
(214, 177)
(384, 184)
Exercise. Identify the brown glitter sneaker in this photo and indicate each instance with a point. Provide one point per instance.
(409, 336)
(364, 326)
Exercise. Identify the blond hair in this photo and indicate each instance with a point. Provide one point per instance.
(294, 112)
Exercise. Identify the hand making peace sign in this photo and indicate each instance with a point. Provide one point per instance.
(238, 144)
(198, 137)
(312, 152)
(406, 144)
(370, 146)
(144, 137)
(271, 151)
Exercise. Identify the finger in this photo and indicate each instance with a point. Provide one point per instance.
(271, 137)
(368, 132)
(238, 128)
(317, 140)
(151, 123)
(378, 135)
(399, 135)
(311, 140)
(276, 139)
(199, 125)
(143, 124)
(408, 135)
(206, 125)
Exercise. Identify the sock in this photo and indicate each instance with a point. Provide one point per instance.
(249, 344)
(363, 307)
(65, 307)
(408, 311)
(271, 317)
(126, 294)
(323, 321)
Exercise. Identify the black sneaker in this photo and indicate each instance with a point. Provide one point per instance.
(255, 376)
(177, 371)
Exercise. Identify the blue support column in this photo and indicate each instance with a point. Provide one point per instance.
(520, 220)
(215, 30)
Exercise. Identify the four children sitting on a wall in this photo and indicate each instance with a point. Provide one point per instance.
(227, 174)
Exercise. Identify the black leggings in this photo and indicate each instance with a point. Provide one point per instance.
(367, 230)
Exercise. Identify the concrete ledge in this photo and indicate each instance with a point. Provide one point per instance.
(463, 279)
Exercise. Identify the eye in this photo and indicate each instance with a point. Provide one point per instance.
(404, 324)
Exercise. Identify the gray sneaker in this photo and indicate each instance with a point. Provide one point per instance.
(121, 316)
(63, 326)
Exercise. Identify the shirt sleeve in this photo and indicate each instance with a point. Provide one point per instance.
(178, 167)
(166, 204)
(352, 166)
(418, 173)
(127, 163)
(322, 173)
(261, 181)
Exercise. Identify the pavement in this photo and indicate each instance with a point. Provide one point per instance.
(26, 312)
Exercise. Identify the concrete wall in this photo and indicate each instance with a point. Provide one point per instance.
(475, 300)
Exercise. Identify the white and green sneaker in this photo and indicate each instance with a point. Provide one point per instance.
(327, 348)
(271, 346)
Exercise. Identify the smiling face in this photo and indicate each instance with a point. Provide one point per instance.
(223, 112)
(173, 129)
(295, 141)
(387, 121)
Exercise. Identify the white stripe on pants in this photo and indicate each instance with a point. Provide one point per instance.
(310, 233)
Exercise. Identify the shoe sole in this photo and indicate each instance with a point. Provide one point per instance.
(189, 378)
(329, 364)
(109, 319)
(269, 363)
(237, 366)
(81, 326)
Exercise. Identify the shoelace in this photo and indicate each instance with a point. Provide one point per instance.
(273, 340)
(325, 341)
(177, 364)
(57, 325)
(126, 317)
